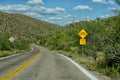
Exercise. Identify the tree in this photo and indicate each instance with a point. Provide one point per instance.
(117, 1)
(116, 11)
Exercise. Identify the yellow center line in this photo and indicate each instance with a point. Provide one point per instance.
(14, 72)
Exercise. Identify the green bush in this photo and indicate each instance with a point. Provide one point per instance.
(6, 45)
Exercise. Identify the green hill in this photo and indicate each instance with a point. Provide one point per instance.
(102, 51)
(24, 29)
(21, 26)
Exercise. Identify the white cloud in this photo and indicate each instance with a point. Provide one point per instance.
(104, 1)
(62, 19)
(82, 7)
(35, 2)
(28, 8)
(48, 11)
(52, 11)
(105, 16)
(55, 18)
(110, 8)
(39, 8)
(23, 9)
(38, 11)
(33, 14)
(69, 15)
(59, 9)
(111, 2)
(15, 8)
(99, 1)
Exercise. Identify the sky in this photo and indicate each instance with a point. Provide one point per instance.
(61, 12)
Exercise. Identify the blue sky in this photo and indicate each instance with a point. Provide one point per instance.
(60, 11)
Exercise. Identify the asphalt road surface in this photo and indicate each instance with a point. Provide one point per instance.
(47, 66)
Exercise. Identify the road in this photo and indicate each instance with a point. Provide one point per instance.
(46, 66)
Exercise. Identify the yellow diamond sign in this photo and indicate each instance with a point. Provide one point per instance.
(82, 33)
(82, 41)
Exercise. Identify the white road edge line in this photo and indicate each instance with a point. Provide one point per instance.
(88, 74)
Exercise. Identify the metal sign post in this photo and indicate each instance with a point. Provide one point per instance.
(83, 34)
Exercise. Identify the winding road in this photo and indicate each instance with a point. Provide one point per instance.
(40, 64)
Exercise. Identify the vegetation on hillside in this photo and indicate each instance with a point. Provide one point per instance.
(102, 51)
(24, 29)
(103, 43)
(116, 11)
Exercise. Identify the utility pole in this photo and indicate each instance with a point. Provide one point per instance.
(86, 18)
(73, 22)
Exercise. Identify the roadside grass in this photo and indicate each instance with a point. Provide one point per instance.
(8, 53)
(94, 65)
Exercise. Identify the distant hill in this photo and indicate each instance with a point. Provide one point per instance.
(24, 27)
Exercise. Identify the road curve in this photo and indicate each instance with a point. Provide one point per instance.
(10, 63)
(51, 66)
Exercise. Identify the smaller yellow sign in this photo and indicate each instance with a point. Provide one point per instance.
(82, 41)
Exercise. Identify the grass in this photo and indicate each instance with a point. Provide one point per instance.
(8, 53)
(93, 65)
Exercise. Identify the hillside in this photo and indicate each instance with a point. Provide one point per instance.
(102, 51)
(25, 30)
(24, 27)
